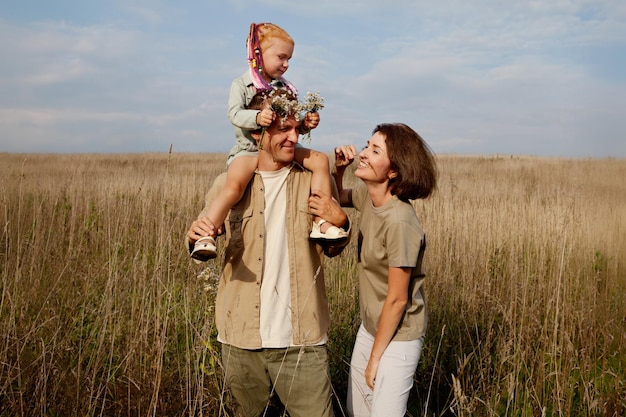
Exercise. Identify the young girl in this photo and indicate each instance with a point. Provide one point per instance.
(269, 50)
(395, 166)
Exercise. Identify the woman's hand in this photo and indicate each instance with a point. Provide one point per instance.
(344, 156)
(370, 372)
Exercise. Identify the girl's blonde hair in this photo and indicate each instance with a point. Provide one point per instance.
(260, 38)
(267, 32)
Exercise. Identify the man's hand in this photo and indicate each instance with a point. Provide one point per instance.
(201, 228)
(327, 208)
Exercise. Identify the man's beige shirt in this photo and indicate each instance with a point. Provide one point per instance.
(237, 312)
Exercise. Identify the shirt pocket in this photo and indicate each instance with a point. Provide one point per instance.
(238, 220)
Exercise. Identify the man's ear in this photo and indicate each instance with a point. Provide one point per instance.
(256, 135)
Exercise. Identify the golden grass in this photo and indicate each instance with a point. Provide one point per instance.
(527, 274)
(102, 313)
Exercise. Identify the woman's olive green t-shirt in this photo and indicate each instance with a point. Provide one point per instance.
(389, 236)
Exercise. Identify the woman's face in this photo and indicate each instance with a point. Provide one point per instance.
(374, 163)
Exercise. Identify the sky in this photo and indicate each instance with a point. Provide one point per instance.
(480, 77)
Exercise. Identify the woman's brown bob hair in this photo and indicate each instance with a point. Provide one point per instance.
(411, 159)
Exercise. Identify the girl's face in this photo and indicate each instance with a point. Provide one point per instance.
(374, 163)
(276, 59)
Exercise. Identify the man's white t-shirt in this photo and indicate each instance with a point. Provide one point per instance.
(276, 329)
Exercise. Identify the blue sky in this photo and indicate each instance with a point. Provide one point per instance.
(543, 77)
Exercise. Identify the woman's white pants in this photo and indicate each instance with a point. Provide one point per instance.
(394, 377)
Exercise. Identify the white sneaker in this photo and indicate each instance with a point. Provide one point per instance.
(332, 233)
(204, 249)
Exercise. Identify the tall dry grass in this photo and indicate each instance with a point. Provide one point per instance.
(527, 274)
(102, 313)
(100, 310)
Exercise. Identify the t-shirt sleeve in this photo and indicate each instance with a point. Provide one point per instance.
(403, 242)
(360, 197)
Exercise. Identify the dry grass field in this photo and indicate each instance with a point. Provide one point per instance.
(102, 313)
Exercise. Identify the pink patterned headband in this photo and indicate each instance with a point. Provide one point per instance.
(255, 61)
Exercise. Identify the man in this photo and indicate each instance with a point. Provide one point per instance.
(271, 309)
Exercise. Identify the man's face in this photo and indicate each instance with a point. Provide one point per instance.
(280, 139)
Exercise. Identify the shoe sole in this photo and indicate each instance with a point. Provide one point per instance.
(326, 238)
(203, 255)
(205, 252)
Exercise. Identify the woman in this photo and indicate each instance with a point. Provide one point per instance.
(395, 166)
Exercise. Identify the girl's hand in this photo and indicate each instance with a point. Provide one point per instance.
(344, 155)
(265, 117)
(311, 120)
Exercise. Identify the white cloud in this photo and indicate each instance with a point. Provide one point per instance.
(480, 77)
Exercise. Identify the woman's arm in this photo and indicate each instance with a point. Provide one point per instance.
(393, 309)
(344, 156)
